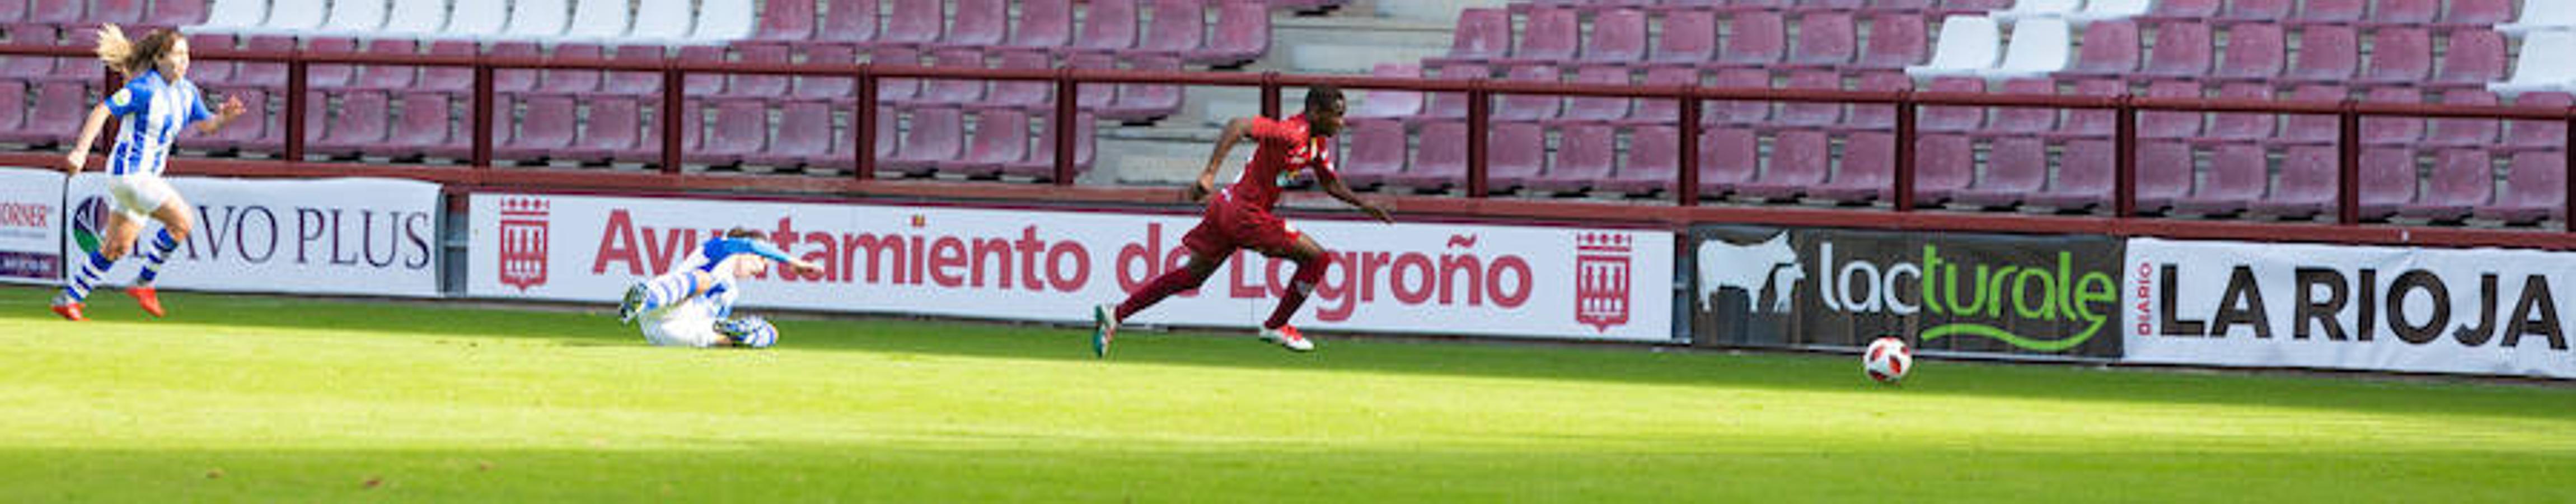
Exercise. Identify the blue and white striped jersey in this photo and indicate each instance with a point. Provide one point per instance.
(153, 112)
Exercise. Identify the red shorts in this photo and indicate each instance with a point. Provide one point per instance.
(1229, 226)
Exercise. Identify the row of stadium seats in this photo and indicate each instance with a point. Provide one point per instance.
(69, 13)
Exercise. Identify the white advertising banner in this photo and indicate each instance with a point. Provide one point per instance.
(373, 237)
(1055, 265)
(2479, 311)
(31, 226)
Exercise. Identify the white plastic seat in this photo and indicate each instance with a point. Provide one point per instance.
(355, 18)
(2108, 10)
(2040, 46)
(722, 21)
(2541, 15)
(2543, 66)
(1968, 45)
(291, 17)
(536, 20)
(2038, 9)
(477, 19)
(414, 18)
(598, 20)
(660, 22)
(232, 16)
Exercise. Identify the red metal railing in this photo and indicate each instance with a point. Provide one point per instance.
(1480, 93)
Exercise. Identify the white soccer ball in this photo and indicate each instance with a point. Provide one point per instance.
(1887, 360)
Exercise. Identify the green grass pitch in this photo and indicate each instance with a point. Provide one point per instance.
(265, 399)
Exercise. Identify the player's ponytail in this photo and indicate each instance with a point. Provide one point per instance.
(133, 57)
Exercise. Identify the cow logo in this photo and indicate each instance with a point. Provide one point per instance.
(1601, 279)
(1767, 268)
(523, 242)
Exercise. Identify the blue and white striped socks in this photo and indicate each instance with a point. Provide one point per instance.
(667, 289)
(84, 277)
(156, 256)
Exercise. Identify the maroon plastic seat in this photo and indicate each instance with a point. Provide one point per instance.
(2538, 134)
(2535, 189)
(1755, 39)
(426, 130)
(1652, 163)
(1896, 41)
(2333, 11)
(1595, 109)
(2238, 174)
(935, 135)
(1740, 112)
(2472, 59)
(1585, 154)
(2478, 14)
(1550, 36)
(1877, 117)
(1728, 159)
(2406, 12)
(1242, 35)
(2170, 125)
(2327, 54)
(57, 12)
(1515, 154)
(766, 86)
(702, 84)
(521, 81)
(441, 79)
(1799, 161)
(2312, 128)
(1044, 25)
(902, 90)
(951, 92)
(2399, 57)
(913, 23)
(1001, 137)
(60, 102)
(1146, 102)
(2392, 130)
(849, 23)
(2255, 52)
(1096, 96)
(244, 132)
(173, 13)
(1953, 119)
(1825, 39)
(211, 73)
(1662, 111)
(827, 89)
(1034, 96)
(2084, 178)
(1943, 163)
(1110, 26)
(2242, 128)
(2015, 167)
(1868, 172)
(978, 24)
(1376, 152)
(2110, 48)
(330, 76)
(1689, 38)
(1482, 35)
(1178, 27)
(1811, 114)
(2464, 132)
(1972, 7)
(616, 126)
(804, 136)
(2164, 175)
(844, 147)
(2182, 50)
(741, 131)
(1618, 37)
(2261, 11)
(785, 22)
(634, 84)
(2307, 187)
(2023, 121)
(2462, 180)
(122, 12)
(1041, 162)
(544, 130)
(1529, 107)
(2387, 181)
(1441, 162)
(358, 126)
(573, 81)
(2169, 10)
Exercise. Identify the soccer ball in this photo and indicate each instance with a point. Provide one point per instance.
(1887, 360)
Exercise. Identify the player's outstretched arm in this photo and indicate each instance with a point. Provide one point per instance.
(1341, 191)
(79, 157)
(231, 109)
(1234, 132)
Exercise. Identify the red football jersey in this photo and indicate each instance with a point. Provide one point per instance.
(1284, 146)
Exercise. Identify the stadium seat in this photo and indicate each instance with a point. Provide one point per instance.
(484, 19)
(1740, 112)
(425, 130)
(2164, 175)
(848, 23)
(1146, 102)
(1811, 114)
(2084, 179)
(1529, 107)
(933, 135)
(2541, 15)
(544, 130)
(2387, 181)
(2328, 54)
(2023, 121)
(1876, 117)
(1868, 173)
(324, 77)
(1242, 35)
(1515, 153)
(2312, 128)
(1041, 162)
(2257, 11)
(1598, 109)
(1825, 40)
(571, 81)
(2110, 10)
(64, 12)
(1032, 96)
(2464, 132)
(121, 12)
(233, 16)
(2471, 60)
(2015, 167)
(741, 130)
(1178, 28)
(903, 90)
(2478, 14)
(284, 17)
(1799, 161)
(1550, 36)
(2255, 52)
(1001, 138)
(2462, 180)
(723, 22)
(635, 84)
(1109, 26)
(422, 18)
(2332, 11)
(1585, 154)
(2180, 10)
(1952, 119)
(175, 13)
(2405, 13)
(1754, 39)
(2110, 48)
(2024, 10)
(2398, 57)
(951, 92)
(700, 84)
(1969, 7)
(2170, 125)
(1688, 38)
(206, 73)
(1896, 41)
(1388, 103)
(541, 19)
(978, 24)
(1651, 164)
(357, 128)
(656, 22)
(1618, 37)
(2242, 127)
(2392, 130)
(1651, 111)
(1375, 151)
(2535, 189)
(1047, 25)
(785, 22)
(2307, 184)
(761, 86)
(1728, 159)
(2182, 50)
(616, 124)
(1943, 163)
(2541, 67)
(508, 81)
(1967, 45)
(2539, 134)
(1095, 96)
(2039, 47)
(1441, 161)
(2238, 174)
(1482, 36)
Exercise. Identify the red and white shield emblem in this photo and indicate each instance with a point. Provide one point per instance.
(523, 242)
(1601, 279)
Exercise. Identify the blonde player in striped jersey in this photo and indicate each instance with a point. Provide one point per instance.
(156, 102)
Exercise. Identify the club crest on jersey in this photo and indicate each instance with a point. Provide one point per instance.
(1601, 279)
(523, 242)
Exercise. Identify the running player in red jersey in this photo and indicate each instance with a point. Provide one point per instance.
(1239, 217)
